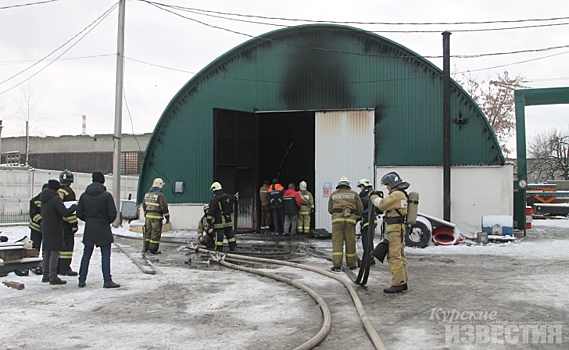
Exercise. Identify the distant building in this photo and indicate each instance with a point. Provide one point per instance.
(78, 153)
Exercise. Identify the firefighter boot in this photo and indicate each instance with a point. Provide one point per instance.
(394, 289)
(64, 268)
(145, 246)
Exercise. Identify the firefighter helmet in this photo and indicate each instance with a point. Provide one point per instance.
(364, 183)
(344, 181)
(66, 178)
(158, 182)
(391, 179)
(205, 207)
(302, 185)
(216, 186)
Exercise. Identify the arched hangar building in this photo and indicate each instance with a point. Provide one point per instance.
(314, 103)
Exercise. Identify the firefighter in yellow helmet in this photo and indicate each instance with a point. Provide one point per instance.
(394, 206)
(155, 208)
(346, 208)
(219, 216)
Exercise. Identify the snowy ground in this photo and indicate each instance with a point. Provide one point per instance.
(524, 284)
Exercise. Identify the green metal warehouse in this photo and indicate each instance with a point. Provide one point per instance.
(313, 103)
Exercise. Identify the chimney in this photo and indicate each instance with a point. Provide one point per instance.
(84, 128)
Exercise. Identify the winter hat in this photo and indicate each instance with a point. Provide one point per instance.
(53, 184)
(302, 185)
(290, 185)
(275, 181)
(266, 182)
(98, 177)
(44, 186)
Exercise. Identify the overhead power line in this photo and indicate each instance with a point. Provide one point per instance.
(28, 4)
(359, 22)
(215, 15)
(85, 30)
(7, 63)
(157, 5)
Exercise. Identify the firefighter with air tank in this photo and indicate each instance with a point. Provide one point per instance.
(397, 216)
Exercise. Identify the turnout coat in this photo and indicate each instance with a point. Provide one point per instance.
(52, 213)
(97, 208)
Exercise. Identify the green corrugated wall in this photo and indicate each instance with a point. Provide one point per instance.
(317, 67)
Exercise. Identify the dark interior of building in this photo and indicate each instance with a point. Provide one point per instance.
(251, 148)
(286, 148)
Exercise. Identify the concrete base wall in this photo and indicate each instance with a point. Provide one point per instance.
(475, 191)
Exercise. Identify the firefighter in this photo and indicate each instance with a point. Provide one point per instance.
(365, 188)
(346, 208)
(219, 216)
(306, 209)
(155, 208)
(205, 232)
(394, 207)
(35, 226)
(67, 194)
(265, 207)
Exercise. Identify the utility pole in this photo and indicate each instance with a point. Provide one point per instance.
(118, 112)
(446, 126)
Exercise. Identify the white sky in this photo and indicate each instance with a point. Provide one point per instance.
(75, 85)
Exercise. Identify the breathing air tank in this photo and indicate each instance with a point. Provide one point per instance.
(412, 207)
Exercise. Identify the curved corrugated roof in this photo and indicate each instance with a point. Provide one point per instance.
(320, 67)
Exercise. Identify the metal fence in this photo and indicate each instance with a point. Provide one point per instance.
(15, 217)
(83, 162)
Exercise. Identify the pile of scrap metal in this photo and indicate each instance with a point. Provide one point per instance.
(18, 257)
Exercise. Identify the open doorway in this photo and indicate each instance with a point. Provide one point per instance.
(252, 147)
(286, 149)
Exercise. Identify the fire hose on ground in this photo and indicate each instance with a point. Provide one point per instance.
(372, 334)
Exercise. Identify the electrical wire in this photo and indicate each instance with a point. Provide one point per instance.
(355, 22)
(356, 53)
(7, 63)
(205, 13)
(159, 66)
(93, 25)
(28, 4)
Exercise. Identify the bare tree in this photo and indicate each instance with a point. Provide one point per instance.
(548, 155)
(27, 105)
(496, 99)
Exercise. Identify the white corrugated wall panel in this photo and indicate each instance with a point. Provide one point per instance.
(344, 147)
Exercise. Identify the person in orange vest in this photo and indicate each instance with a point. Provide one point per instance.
(275, 195)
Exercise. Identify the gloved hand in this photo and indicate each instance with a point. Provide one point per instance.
(312, 210)
(167, 219)
(377, 193)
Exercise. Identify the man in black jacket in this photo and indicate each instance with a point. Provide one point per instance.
(97, 208)
(52, 212)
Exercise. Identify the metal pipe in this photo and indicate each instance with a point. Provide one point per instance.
(446, 125)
